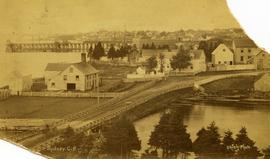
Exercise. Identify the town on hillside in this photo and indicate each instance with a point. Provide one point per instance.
(75, 108)
(142, 55)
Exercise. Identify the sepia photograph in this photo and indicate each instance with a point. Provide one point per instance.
(132, 79)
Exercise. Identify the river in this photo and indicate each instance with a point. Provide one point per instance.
(255, 118)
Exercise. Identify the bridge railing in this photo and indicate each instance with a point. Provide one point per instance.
(73, 94)
(105, 117)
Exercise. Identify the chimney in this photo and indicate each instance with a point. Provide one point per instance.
(83, 57)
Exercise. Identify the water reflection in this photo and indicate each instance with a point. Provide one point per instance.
(255, 118)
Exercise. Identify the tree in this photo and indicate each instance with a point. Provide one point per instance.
(152, 63)
(208, 142)
(150, 154)
(98, 51)
(112, 52)
(117, 53)
(170, 135)
(181, 60)
(161, 59)
(121, 138)
(227, 143)
(90, 53)
(266, 153)
(97, 149)
(143, 46)
(245, 146)
(81, 141)
(209, 46)
(147, 46)
(123, 51)
(153, 46)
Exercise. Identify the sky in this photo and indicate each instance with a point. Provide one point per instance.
(74, 16)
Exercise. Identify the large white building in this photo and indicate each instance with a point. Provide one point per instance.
(71, 76)
(222, 55)
(244, 49)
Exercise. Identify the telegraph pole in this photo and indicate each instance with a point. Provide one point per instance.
(98, 89)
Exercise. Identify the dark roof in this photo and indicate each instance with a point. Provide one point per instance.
(85, 68)
(228, 44)
(56, 66)
(244, 43)
(197, 53)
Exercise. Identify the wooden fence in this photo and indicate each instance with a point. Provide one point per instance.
(72, 94)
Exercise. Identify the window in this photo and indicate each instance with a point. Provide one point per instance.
(219, 62)
(231, 63)
(53, 84)
(71, 70)
(77, 77)
(262, 54)
(242, 50)
(65, 77)
(224, 50)
(249, 57)
(191, 67)
(225, 62)
(249, 50)
(242, 58)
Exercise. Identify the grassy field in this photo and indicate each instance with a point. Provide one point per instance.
(43, 107)
(109, 71)
(231, 85)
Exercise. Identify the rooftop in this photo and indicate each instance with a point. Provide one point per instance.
(85, 68)
(244, 43)
(197, 53)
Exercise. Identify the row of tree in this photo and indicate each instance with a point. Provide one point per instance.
(99, 51)
(170, 136)
(115, 140)
(119, 140)
(153, 46)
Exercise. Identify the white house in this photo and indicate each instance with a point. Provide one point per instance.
(198, 62)
(222, 55)
(164, 60)
(71, 76)
(244, 49)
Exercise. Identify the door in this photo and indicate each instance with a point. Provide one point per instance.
(71, 86)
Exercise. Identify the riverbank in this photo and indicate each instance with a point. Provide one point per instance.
(157, 104)
(231, 91)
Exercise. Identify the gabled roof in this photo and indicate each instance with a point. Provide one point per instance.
(220, 48)
(244, 43)
(56, 66)
(261, 51)
(197, 53)
(258, 53)
(85, 68)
